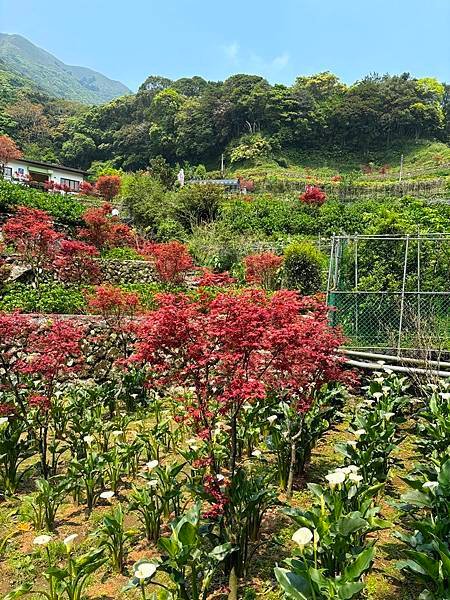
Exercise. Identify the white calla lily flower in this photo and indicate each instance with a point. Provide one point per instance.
(302, 537)
(355, 478)
(69, 540)
(42, 540)
(152, 465)
(145, 570)
(107, 495)
(430, 485)
(335, 479)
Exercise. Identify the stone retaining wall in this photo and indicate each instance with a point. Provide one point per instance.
(127, 271)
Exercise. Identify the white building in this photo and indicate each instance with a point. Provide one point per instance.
(24, 170)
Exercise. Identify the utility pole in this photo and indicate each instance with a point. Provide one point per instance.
(222, 169)
(401, 169)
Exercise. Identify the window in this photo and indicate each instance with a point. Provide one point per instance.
(7, 172)
(72, 184)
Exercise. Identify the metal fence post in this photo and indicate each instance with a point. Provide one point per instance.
(402, 301)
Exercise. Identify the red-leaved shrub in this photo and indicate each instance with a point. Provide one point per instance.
(171, 260)
(236, 349)
(86, 188)
(75, 262)
(313, 195)
(103, 230)
(210, 279)
(262, 269)
(31, 233)
(108, 186)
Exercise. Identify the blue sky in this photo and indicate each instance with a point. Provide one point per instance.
(280, 39)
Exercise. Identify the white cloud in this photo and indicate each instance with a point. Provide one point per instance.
(231, 50)
(281, 61)
(249, 61)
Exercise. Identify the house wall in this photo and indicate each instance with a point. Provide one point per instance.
(55, 174)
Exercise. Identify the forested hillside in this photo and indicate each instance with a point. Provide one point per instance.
(55, 77)
(249, 120)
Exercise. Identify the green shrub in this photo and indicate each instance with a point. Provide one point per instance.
(121, 254)
(145, 199)
(268, 215)
(63, 208)
(48, 298)
(218, 248)
(196, 204)
(169, 230)
(303, 267)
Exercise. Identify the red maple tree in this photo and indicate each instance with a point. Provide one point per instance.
(75, 262)
(35, 357)
(103, 230)
(313, 195)
(108, 186)
(235, 349)
(116, 307)
(171, 260)
(262, 268)
(30, 231)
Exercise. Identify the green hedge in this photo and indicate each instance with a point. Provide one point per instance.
(49, 298)
(271, 216)
(57, 298)
(63, 208)
(303, 265)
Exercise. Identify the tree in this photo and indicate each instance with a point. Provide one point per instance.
(75, 262)
(79, 151)
(231, 351)
(172, 261)
(32, 124)
(196, 204)
(160, 170)
(263, 269)
(35, 357)
(108, 186)
(8, 151)
(145, 199)
(31, 233)
(103, 230)
(303, 265)
(117, 307)
(253, 148)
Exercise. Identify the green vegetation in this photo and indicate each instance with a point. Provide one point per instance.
(63, 208)
(303, 266)
(53, 76)
(317, 127)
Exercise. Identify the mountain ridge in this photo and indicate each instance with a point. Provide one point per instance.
(71, 82)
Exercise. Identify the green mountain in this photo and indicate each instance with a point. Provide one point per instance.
(51, 75)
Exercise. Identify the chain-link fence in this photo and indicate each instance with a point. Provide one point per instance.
(390, 320)
(391, 291)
